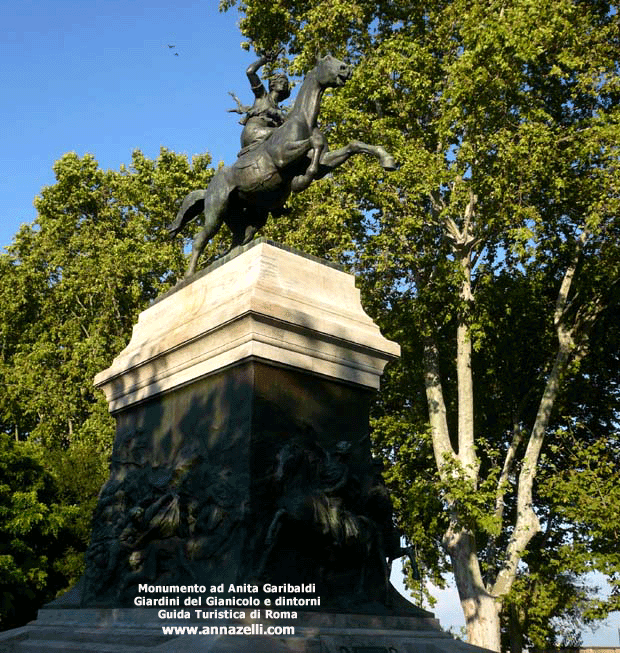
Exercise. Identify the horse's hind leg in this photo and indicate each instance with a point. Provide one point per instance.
(244, 224)
(259, 220)
(216, 199)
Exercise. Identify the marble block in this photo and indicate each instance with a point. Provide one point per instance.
(264, 302)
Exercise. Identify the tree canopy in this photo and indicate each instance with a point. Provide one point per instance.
(71, 286)
(34, 534)
(492, 256)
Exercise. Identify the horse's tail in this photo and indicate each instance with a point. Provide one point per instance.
(193, 205)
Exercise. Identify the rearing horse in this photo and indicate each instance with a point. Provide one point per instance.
(261, 180)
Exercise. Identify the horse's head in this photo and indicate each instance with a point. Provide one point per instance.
(332, 72)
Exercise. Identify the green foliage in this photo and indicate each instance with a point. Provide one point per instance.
(580, 487)
(71, 286)
(505, 120)
(545, 608)
(34, 531)
(586, 499)
(74, 282)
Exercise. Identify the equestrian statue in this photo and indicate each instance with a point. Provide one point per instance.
(288, 156)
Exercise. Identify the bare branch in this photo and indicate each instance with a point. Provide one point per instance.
(437, 201)
(453, 232)
(442, 446)
(527, 523)
(507, 469)
(470, 212)
(562, 302)
(465, 382)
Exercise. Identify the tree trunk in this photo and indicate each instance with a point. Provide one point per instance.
(480, 608)
(482, 620)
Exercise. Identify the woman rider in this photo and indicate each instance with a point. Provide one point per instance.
(265, 114)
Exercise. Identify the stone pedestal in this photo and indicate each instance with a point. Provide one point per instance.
(242, 456)
(262, 303)
(242, 452)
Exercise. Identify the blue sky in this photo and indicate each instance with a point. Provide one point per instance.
(98, 76)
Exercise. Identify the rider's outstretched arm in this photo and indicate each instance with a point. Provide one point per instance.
(257, 86)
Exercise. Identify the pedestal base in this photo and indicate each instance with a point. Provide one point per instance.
(140, 631)
(254, 474)
(242, 455)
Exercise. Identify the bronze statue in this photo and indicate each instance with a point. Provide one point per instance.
(288, 160)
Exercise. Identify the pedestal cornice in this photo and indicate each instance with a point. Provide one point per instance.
(266, 303)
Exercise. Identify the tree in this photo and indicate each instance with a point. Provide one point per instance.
(578, 485)
(71, 286)
(33, 534)
(490, 255)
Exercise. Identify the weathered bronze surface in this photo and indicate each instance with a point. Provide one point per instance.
(276, 161)
(257, 474)
(260, 119)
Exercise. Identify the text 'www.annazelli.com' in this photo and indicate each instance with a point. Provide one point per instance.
(253, 629)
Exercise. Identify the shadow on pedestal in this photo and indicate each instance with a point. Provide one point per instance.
(242, 458)
(256, 474)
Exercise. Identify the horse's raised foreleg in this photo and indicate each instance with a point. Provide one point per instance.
(216, 199)
(319, 148)
(330, 160)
